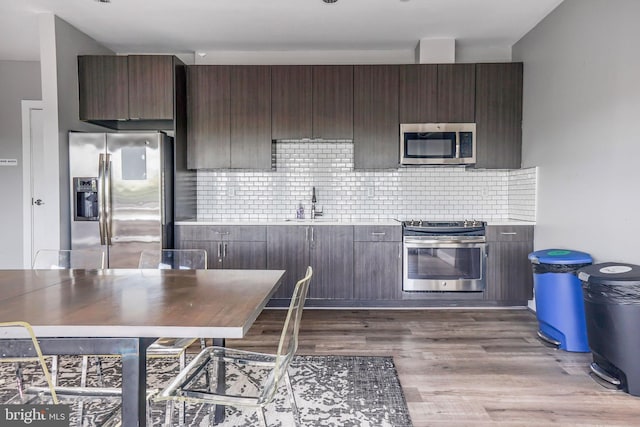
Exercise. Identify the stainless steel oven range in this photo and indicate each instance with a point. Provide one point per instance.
(444, 256)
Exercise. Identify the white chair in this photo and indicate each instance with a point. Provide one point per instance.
(174, 259)
(59, 259)
(38, 357)
(182, 259)
(62, 259)
(193, 384)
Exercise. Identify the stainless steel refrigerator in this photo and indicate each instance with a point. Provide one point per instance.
(121, 193)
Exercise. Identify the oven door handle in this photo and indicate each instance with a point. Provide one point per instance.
(420, 242)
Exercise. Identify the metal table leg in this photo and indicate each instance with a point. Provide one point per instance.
(221, 382)
(134, 385)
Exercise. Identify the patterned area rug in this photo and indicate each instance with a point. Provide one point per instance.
(341, 391)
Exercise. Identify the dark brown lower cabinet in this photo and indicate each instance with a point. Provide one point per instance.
(377, 263)
(358, 264)
(328, 249)
(237, 247)
(231, 254)
(377, 270)
(288, 249)
(331, 255)
(509, 276)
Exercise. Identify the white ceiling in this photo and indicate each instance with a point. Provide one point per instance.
(187, 26)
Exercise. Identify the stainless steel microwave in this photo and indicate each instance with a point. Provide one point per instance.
(437, 143)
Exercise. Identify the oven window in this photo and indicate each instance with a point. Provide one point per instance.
(444, 263)
(430, 144)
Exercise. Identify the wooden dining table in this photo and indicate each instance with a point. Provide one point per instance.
(122, 311)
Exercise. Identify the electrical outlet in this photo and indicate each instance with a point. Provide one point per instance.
(371, 191)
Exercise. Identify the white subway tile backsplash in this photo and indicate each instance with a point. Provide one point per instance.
(438, 193)
(522, 194)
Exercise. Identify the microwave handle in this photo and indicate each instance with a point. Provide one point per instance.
(457, 145)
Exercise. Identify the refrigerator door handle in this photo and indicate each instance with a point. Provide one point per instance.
(101, 213)
(107, 198)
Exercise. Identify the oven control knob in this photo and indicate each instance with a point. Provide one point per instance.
(444, 284)
(466, 223)
(420, 223)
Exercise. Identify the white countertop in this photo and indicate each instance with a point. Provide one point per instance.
(328, 221)
(320, 221)
(510, 222)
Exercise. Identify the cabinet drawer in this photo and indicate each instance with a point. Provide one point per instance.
(509, 233)
(377, 233)
(241, 233)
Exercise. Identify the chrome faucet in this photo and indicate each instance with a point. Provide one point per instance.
(314, 211)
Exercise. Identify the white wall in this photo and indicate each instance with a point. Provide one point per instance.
(60, 43)
(580, 126)
(18, 80)
(464, 53)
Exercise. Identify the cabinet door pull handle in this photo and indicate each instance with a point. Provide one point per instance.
(378, 233)
(219, 250)
(224, 251)
(223, 233)
(306, 234)
(508, 233)
(312, 234)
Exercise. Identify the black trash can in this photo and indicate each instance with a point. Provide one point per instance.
(558, 295)
(612, 312)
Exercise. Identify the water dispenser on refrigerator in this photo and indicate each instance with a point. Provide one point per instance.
(85, 196)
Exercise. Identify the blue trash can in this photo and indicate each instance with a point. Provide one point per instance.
(558, 295)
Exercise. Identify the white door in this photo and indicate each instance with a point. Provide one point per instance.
(38, 234)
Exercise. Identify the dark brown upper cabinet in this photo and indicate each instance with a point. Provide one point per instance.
(209, 116)
(456, 93)
(437, 93)
(104, 87)
(376, 129)
(229, 116)
(291, 101)
(312, 101)
(151, 87)
(116, 90)
(499, 115)
(251, 116)
(333, 101)
(418, 99)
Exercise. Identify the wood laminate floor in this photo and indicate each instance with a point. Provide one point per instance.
(463, 367)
